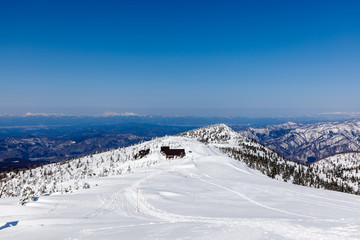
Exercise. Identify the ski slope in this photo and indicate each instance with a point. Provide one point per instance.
(205, 195)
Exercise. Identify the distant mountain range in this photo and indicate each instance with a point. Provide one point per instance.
(39, 150)
(309, 142)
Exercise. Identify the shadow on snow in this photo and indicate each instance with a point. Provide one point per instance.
(9, 224)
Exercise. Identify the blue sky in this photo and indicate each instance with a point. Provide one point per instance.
(239, 58)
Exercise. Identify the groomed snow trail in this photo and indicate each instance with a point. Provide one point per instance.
(205, 195)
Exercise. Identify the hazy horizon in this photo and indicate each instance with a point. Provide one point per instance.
(315, 115)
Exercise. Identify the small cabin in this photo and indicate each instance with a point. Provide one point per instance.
(172, 153)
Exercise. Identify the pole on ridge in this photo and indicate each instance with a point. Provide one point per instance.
(137, 199)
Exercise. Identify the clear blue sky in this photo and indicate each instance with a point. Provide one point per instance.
(240, 58)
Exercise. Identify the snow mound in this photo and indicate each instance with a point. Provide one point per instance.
(219, 133)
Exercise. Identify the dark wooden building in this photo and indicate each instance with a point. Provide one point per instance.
(172, 153)
(165, 148)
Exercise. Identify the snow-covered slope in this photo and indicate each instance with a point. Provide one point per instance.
(72, 175)
(310, 141)
(268, 162)
(205, 195)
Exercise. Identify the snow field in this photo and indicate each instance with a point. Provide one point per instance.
(205, 195)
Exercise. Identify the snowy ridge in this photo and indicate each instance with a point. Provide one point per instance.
(65, 177)
(68, 176)
(71, 175)
(272, 164)
(224, 138)
(311, 141)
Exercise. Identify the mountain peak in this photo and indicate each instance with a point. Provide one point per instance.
(218, 133)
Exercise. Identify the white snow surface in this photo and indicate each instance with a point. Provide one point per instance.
(205, 195)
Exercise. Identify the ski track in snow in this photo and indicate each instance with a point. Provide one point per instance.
(282, 229)
(255, 202)
(304, 199)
